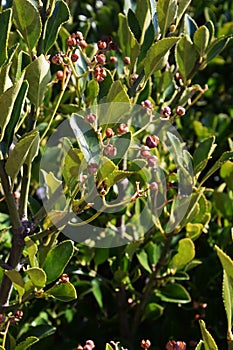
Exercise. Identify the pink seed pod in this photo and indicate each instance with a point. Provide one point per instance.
(166, 112)
(126, 60)
(180, 110)
(152, 141)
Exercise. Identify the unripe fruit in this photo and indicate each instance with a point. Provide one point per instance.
(92, 168)
(152, 141)
(90, 118)
(145, 152)
(64, 278)
(110, 150)
(60, 74)
(152, 161)
(101, 58)
(147, 104)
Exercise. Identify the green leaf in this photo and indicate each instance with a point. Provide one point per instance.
(122, 144)
(57, 259)
(226, 261)
(223, 204)
(108, 347)
(216, 47)
(86, 137)
(5, 81)
(202, 154)
(16, 113)
(226, 173)
(91, 92)
(32, 249)
(27, 20)
(227, 295)
(60, 15)
(186, 252)
(127, 41)
(209, 342)
(224, 157)
(134, 25)
(37, 276)
(63, 292)
(200, 345)
(52, 183)
(190, 26)
(143, 260)
(19, 154)
(17, 281)
(5, 20)
(34, 149)
(152, 312)
(201, 39)
(186, 57)
(194, 230)
(26, 344)
(174, 293)
(38, 76)
(7, 101)
(182, 6)
(97, 292)
(72, 167)
(167, 10)
(154, 59)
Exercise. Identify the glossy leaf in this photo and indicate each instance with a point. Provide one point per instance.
(152, 312)
(226, 173)
(17, 281)
(223, 203)
(26, 344)
(32, 249)
(186, 252)
(134, 25)
(91, 92)
(216, 47)
(224, 158)
(194, 230)
(38, 76)
(63, 292)
(201, 39)
(86, 137)
(186, 57)
(226, 261)
(154, 59)
(5, 81)
(5, 20)
(182, 6)
(72, 166)
(190, 26)
(122, 144)
(200, 345)
(202, 154)
(16, 113)
(28, 22)
(59, 16)
(34, 149)
(37, 276)
(143, 260)
(19, 154)
(97, 292)
(57, 259)
(167, 10)
(227, 294)
(7, 101)
(209, 342)
(174, 293)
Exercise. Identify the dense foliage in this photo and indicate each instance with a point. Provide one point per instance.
(122, 228)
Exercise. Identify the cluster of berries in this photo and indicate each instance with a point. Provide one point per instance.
(151, 142)
(175, 345)
(88, 346)
(166, 111)
(105, 44)
(16, 317)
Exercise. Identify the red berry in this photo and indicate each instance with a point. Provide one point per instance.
(101, 58)
(90, 343)
(74, 57)
(175, 345)
(109, 133)
(180, 110)
(145, 344)
(60, 74)
(147, 104)
(113, 59)
(126, 60)
(123, 128)
(110, 150)
(64, 278)
(101, 45)
(71, 41)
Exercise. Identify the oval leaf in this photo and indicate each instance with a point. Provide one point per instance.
(26, 344)
(186, 252)
(57, 259)
(37, 276)
(186, 57)
(166, 10)
(64, 292)
(59, 16)
(174, 293)
(28, 22)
